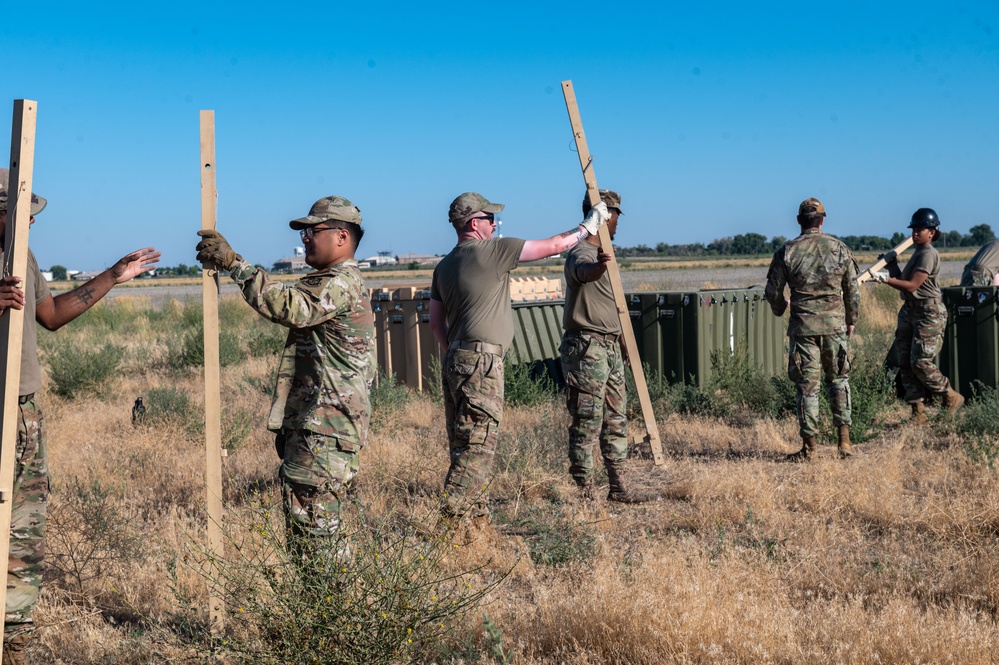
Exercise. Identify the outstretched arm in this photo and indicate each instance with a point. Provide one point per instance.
(53, 313)
(539, 249)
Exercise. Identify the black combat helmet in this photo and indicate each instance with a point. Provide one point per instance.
(924, 218)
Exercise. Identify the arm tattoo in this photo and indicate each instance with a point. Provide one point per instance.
(84, 295)
(578, 232)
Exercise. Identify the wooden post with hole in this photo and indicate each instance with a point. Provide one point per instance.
(586, 163)
(15, 263)
(213, 409)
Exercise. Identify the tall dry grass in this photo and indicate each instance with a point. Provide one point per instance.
(889, 557)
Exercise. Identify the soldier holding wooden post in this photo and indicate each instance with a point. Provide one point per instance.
(321, 408)
(472, 319)
(31, 294)
(593, 357)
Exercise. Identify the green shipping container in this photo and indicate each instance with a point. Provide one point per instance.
(970, 353)
(537, 335)
(643, 310)
(695, 326)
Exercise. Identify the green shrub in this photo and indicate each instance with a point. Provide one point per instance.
(527, 385)
(378, 593)
(191, 352)
(388, 397)
(554, 537)
(91, 536)
(74, 370)
(872, 391)
(268, 340)
(979, 422)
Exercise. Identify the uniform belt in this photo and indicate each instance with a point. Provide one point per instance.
(24, 399)
(923, 303)
(478, 347)
(606, 337)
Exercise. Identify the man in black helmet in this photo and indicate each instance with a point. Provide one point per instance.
(921, 321)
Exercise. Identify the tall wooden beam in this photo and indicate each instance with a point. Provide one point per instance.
(213, 407)
(15, 263)
(613, 270)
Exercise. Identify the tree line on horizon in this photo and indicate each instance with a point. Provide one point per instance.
(753, 244)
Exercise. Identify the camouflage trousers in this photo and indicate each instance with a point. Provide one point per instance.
(596, 399)
(315, 472)
(27, 522)
(820, 358)
(919, 337)
(473, 409)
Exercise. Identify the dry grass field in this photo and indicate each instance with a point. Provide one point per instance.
(890, 557)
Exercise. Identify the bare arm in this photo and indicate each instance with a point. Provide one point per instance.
(54, 313)
(591, 272)
(438, 321)
(539, 249)
(910, 285)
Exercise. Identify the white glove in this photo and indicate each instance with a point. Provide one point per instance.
(597, 217)
(881, 276)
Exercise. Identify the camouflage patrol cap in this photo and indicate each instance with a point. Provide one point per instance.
(470, 203)
(37, 203)
(811, 207)
(608, 196)
(326, 209)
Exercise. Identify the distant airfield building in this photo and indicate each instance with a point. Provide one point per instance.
(294, 263)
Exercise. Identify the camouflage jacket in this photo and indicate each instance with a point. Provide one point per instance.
(328, 364)
(822, 276)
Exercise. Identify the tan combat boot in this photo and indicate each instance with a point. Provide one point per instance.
(918, 417)
(952, 400)
(845, 447)
(13, 649)
(585, 490)
(619, 490)
(805, 454)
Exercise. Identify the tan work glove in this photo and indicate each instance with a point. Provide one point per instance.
(214, 251)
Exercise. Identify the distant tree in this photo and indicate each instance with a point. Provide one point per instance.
(898, 237)
(950, 239)
(777, 242)
(58, 273)
(721, 246)
(981, 234)
(749, 243)
(662, 248)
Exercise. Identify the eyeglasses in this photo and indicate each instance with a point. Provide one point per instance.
(488, 217)
(310, 231)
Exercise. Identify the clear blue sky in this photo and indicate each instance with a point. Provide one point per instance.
(711, 119)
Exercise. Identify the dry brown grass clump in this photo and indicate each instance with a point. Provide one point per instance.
(889, 557)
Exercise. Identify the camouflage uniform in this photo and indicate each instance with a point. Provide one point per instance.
(321, 407)
(596, 399)
(31, 477)
(920, 329)
(473, 410)
(825, 299)
(472, 286)
(983, 266)
(592, 361)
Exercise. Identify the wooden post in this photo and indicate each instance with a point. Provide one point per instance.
(586, 163)
(880, 265)
(15, 263)
(213, 409)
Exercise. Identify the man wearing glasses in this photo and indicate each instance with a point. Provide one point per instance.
(321, 407)
(472, 319)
